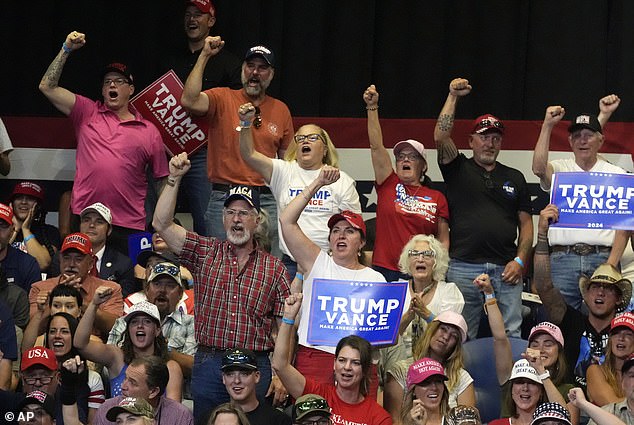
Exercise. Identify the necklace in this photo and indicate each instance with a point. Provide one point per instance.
(412, 195)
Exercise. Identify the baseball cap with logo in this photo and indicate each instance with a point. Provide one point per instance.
(463, 415)
(262, 51)
(625, 320)
(134, 405)
(166, 269)
(549, 410)
(523, 369)
(414, 144)
(38, 356)
(246, 193)
(239, 358)
(120, 68)
(6, 214)
(143, 307)
(41, 398)
(422, 369)
(28, 188)
(100, 209)
(205, 6)
(78, 241)
(310, 405)
(582, 121)
(351, 217)
(487, 122)
(547, 328)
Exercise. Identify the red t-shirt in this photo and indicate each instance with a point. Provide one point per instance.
(402, 212)
(368, 412)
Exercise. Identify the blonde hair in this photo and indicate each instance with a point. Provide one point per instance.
(452, 364)
(608, 368)
(408, 403)
(331, 158)
(441, 261)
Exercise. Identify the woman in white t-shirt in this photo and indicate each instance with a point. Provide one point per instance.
(312, 149)
(342, 261)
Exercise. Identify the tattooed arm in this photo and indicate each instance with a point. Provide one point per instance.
(445, 146)
(551, 298)
(62, 99)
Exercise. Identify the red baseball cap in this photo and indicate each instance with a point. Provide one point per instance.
(28, 188)
(351, 217)
(39, 356)
(205, 6)
(78, 241)
(423, 369)
(625, 320)
(6, 213)
(487, 122)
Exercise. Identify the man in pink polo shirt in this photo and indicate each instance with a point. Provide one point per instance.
(115, 144)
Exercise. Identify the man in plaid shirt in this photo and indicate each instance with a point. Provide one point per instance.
(239, 288)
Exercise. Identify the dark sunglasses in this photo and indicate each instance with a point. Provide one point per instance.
(257, 122)
(162, 268)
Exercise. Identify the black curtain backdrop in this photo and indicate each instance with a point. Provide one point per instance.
(520, 56)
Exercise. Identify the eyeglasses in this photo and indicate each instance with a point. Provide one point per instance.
(494, 138)
(117, 81)
(320, 421)
(44, 380)
(241, 213)
(162, 268)
(409, 156)
(314, 404)
(487, 122)
(257, 122)
(310, 137)
(488, 181)
(428, 253)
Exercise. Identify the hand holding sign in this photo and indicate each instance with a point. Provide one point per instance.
(547, 216)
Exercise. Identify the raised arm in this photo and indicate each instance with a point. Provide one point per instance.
(541, 166)
(62, 99)
(607, 106)
(92, 349)
(598, 415)
(193, 99)
(551, 298)
(501, 344)
(256, 160)
(163, 221)
(445, 146)
(621, 239)
(303, 249)
(293, 380)
(380, 157)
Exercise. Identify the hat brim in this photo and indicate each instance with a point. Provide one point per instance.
(624, 285)
(128, 317)
(317, 412)
(574, 127)
(241, 366)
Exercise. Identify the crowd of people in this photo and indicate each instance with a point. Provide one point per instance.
(211, 324)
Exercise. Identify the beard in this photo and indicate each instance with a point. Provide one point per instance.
(258, 89)
(237, 239)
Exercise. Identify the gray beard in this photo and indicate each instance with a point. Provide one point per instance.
(239, 240)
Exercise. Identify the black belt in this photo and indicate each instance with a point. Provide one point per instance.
(213, 350)
(581, 249)
(227, 187)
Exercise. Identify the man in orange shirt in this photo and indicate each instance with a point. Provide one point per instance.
(272, 130)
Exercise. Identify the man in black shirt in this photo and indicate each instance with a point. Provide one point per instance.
(240, 375)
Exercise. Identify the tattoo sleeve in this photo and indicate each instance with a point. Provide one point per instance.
(551, 298)
(54, 71)
(445, 122)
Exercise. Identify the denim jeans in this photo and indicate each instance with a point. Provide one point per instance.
(195, 189)
(509, 297)
(567, 267)
(208, 390)
(215, 227)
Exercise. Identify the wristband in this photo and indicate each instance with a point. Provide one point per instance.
(372, 108)
(28, 238)
(171, 181)
(66, 49)
(491, 302)
(544, 375)
(288, 321)
(299, 276)
(245, 124)
(519, 261)
(430, 318)
(490, 296)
